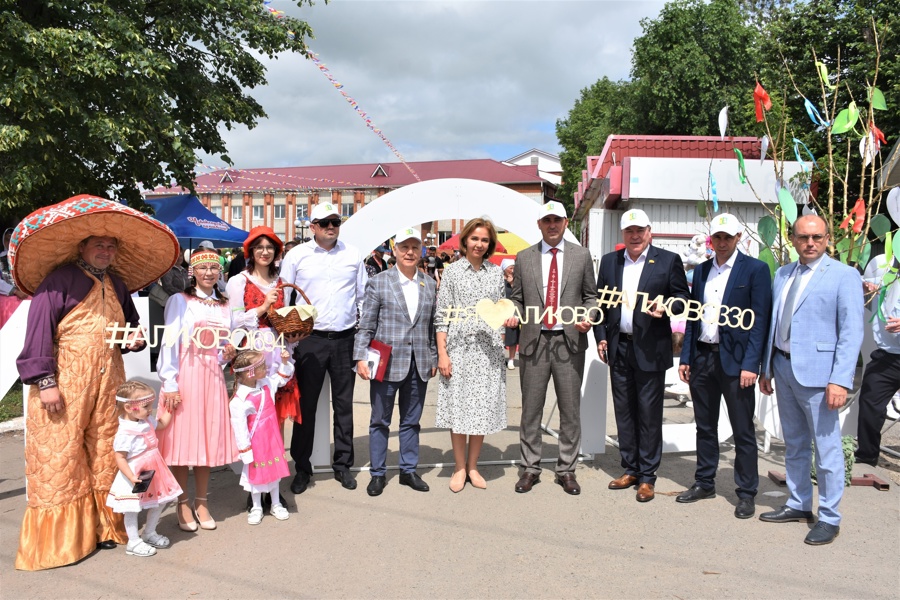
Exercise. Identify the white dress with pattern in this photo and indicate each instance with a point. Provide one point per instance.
(473, 400)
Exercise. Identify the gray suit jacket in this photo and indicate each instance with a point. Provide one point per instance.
(385, 318)
(577, 288)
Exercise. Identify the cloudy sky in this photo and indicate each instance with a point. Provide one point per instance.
(442, 80)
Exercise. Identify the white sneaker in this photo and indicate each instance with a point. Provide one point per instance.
(255, 517)
(156, 540)
(139, 548)
(510, 364)
(280, 512)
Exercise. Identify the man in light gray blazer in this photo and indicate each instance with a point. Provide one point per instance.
(814, 341)
(554, 291)
(398, 310)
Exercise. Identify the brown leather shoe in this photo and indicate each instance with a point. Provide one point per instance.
(645, 492)
(623, 482)
(568, 483)
(527, 481)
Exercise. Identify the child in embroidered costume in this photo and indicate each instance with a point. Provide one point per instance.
(256, 430)
(136, 450)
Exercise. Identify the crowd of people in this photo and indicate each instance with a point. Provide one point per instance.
(399, 322)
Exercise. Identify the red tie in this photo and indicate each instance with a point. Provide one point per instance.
(552, 301)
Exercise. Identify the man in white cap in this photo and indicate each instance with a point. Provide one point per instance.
(552, 280)
(635, 340)
(398, 311)
(333, 276)
(722, 358)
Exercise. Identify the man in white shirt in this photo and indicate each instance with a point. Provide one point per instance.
(333, 276)
(398, 311)
(722, 358)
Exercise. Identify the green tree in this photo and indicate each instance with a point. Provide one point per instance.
(108, 97)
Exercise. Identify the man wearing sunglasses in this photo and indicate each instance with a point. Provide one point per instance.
(333, 276)
(814, 340)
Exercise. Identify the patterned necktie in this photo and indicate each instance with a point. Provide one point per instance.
(788, 311)
(552, 301)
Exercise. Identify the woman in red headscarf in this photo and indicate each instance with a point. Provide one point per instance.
(251, 293)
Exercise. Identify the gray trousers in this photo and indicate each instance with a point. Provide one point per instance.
(551, 357)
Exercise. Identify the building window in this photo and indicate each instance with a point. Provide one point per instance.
(279, 211)
(216, 210)
(347, 209)
(259, 213)
(237, 213)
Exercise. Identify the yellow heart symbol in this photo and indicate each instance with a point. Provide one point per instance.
(495, 314)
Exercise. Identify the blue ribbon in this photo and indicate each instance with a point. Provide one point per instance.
(814, 114)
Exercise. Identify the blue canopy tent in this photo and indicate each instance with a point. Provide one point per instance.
(193, 223)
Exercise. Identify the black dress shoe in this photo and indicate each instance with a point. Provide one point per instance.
(376, 486)
(785, 514)
(745, 508)
(527, 481)
(346, 479)
(569, 484)
(300, 482)
(414, 481)
(695, 493)
(106, 545)
(822, 534)
(866, 461)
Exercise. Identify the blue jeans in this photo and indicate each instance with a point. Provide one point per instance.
(412, 399)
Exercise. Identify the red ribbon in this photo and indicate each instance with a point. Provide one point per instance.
(857, 215)
(879, 135)
(761, 99)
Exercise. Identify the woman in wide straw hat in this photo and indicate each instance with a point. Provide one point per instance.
(80, 259)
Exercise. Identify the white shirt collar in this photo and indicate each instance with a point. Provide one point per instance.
(545, 247)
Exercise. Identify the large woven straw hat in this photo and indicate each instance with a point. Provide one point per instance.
(49, 237)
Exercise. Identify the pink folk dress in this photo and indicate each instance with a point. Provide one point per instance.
(138, 439)
(199, 434)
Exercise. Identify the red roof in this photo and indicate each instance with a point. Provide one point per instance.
(669, 146)
(367, 175)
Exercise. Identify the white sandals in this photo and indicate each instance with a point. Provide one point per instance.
(280, 512)
(140, 548)
(156, 540)
(256, 516)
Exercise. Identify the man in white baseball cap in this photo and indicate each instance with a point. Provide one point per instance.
(407, 326)
(724, 360)
(636, 342)
(333, 276)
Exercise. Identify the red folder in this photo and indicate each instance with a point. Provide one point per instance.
(385, 351)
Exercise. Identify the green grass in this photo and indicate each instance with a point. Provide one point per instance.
(11, 405)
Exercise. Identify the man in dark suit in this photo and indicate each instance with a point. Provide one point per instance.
(398, 310)
(553, 290)
(635, 340)
(721, 357)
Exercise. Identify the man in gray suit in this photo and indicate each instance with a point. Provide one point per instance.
(554, 292)
(814, 340)
(398, 310)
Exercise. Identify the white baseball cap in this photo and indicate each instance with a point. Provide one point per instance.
(206, 244)
(554, 208)
(323, 210)
(407, 233)
(507, 263)
(725, 223)
(634, 218)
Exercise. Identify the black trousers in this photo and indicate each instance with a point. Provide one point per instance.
(315, 356)
(638, 402)
(708, 384)
(880, 382)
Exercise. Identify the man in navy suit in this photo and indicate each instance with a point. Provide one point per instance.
(635, 340)
(398, 311)
(814, 340)
(722, 358)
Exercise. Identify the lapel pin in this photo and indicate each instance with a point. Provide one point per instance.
(651, 261)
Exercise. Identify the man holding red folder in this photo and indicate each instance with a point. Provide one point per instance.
(397, 320)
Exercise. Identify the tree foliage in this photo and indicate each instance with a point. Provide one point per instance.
(108, 97)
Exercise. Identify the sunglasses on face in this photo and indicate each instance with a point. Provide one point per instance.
(324, 223)
(817, 238)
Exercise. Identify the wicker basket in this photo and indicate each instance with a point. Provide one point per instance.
(292, 324)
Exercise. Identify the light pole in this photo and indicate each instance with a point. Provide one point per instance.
(302, 225)
(429, 241)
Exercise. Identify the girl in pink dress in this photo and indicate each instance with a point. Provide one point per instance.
(256, 429)
(190, 368)
(136, 452)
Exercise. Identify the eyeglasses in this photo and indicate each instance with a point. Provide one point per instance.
(208, 269)
(324, 223)
(805, 238)
(264, 249)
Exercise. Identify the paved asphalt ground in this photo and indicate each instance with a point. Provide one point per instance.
(488, 544)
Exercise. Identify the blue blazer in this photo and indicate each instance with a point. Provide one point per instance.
(749, 287)
(663, 274)
(827, 327)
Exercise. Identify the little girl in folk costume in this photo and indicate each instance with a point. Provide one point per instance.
(257, 432)
(136, 450)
